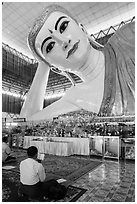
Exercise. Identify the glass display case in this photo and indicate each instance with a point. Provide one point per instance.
(112, 147)
(96, 146)
(129, 148)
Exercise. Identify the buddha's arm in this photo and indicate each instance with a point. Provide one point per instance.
(59, 107)
(36, 94)
(76, 98)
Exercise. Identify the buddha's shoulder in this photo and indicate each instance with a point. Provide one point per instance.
(84, 89)
(126, 32)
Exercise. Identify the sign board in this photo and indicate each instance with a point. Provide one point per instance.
(17, 120)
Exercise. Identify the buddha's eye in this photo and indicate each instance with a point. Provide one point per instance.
(50, 46)
(63, 26)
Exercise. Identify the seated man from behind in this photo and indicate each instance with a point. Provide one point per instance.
(6, 151)
(32, 176)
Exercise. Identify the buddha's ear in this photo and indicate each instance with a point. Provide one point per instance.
(82, 28)
(64, 73)
(56, 70)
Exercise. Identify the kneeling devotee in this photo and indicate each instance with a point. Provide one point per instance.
(32, 178)
(6, 151)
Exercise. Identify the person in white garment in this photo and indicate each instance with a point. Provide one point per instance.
(33, 181)
(60, 43)
(6, 151)
(32, 174)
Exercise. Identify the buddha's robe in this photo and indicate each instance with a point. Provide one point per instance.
(119, 83)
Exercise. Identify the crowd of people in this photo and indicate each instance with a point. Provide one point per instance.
(78, 124)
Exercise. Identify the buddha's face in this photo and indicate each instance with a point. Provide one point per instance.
(62, 42)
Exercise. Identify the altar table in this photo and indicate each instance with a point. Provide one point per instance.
(54, 147)
(80, 146)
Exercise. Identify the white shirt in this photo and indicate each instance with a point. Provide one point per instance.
(31, 172)
(5, 151)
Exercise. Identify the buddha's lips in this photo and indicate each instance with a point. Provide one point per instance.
(73, 49)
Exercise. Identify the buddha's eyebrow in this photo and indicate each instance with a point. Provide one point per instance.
(59, 21)
(48, 38)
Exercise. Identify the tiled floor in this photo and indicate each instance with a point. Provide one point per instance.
(111, 182)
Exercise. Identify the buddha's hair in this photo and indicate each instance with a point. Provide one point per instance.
(38, 23)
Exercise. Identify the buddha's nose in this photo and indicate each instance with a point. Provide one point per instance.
(65, 44)
(61, 39)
